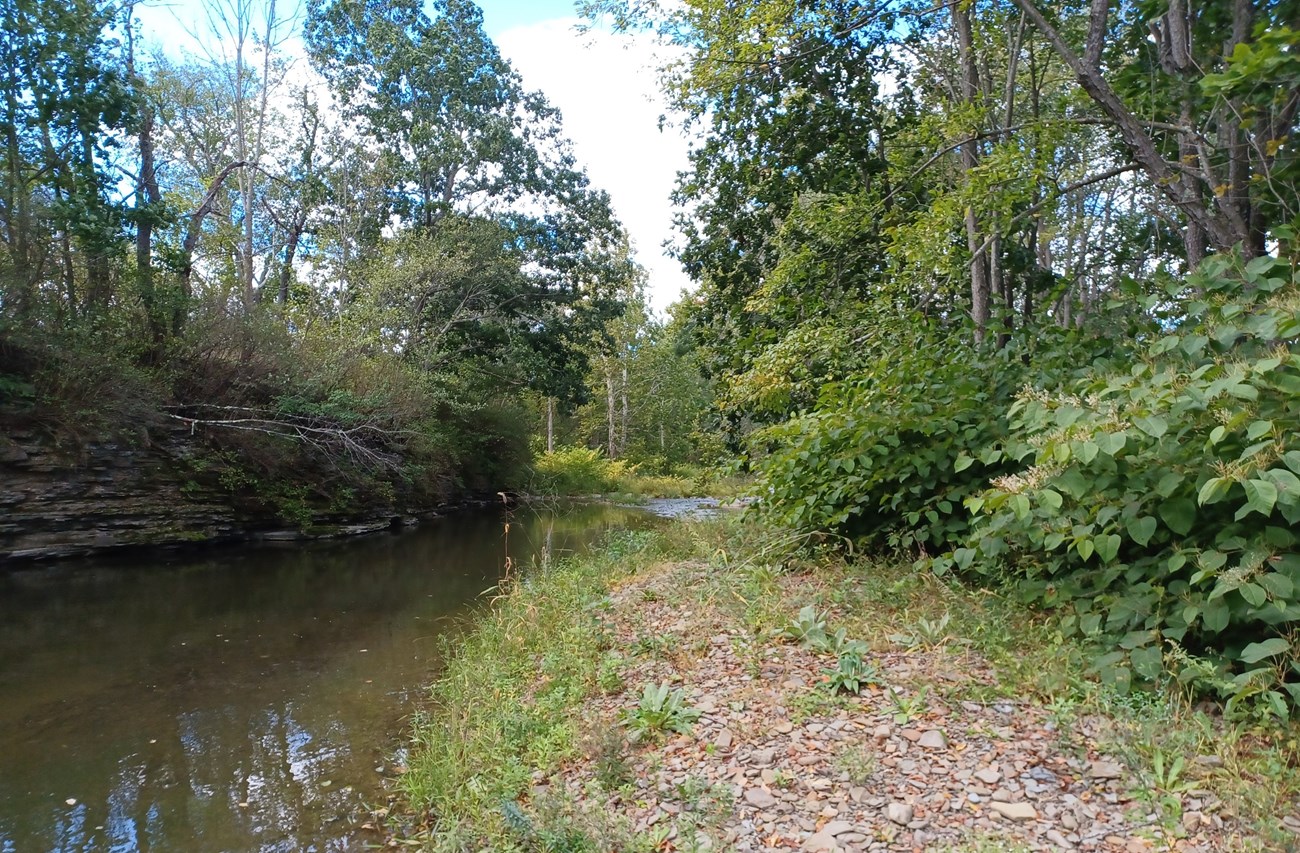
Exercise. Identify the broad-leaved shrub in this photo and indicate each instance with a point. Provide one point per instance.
(1159, 505)
(876, 458)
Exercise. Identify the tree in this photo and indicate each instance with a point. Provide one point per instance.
(1211, 102)
(65, 102)
(463, 151)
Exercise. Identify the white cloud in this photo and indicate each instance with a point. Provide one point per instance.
(605, 85)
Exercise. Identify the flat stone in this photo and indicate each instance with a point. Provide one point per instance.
(837, 827)
(899, 813)
(821, 841)
(762, 756)
(933, 739)
(1058, 839)
(724, 739)
(759, 799)
(1014, 811)
(988, 776)
(1105, 770)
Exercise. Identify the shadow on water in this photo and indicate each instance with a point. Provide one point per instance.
(241, 700)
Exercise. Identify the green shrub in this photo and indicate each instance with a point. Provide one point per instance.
(876, 458)
(577, 471)
(1160, 508)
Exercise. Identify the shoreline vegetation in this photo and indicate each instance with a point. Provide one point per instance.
(719, 685)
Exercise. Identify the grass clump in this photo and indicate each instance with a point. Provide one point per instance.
(508, 704)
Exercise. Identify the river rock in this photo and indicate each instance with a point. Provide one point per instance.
(933, 739)
(899, 813)
(759, 798)
(1014, 811)
(1105, 770)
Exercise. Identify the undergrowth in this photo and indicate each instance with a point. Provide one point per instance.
(572, 471)
(509, 713)
(508, 704)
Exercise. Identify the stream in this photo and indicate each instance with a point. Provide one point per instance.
(241, 699)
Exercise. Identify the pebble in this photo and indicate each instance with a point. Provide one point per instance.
(1015, 811)
(933, 739)
(845, 778)
(899, 813)
(1105, 770)
(1058, 839)
(821, 841)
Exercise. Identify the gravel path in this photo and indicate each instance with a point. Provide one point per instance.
(776, 762)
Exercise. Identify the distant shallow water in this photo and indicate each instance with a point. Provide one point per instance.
(690, 507)
(247, 699)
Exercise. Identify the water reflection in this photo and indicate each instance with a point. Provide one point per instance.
(237, 701)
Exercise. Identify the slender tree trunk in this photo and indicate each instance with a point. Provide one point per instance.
(1173, 36)
(550, 424)
(611, 418)
(296, 228)
(980, 286)
(622, 436)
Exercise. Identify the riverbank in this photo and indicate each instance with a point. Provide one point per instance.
(975, 728)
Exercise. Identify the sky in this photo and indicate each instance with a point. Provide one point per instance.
(603, 84)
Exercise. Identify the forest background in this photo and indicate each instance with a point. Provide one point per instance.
(1007, 286)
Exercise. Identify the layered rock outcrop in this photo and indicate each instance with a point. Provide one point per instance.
(56, 502)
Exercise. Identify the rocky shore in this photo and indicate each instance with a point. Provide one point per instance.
(160, 492)
(778, 762)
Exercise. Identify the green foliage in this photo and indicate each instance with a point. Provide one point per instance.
(576, 471)
(808, 628)
(907, 706)
(890, 454)
(660, 709)
(852, 673)
(1160, 509)
(503, 707)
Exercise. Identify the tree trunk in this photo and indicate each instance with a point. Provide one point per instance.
(1183, 190)
(550, 424)
(609, 408)
(622, 434)
(980, 286)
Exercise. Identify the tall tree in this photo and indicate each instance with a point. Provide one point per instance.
(65, 99)
(1206, 110)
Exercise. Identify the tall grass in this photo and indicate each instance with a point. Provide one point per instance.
(583, 471)
(506, 705)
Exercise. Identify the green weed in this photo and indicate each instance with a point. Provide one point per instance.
(660, 709)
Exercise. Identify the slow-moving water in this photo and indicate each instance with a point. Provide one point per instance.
(243, 700)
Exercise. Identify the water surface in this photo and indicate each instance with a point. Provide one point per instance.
(249, 699)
